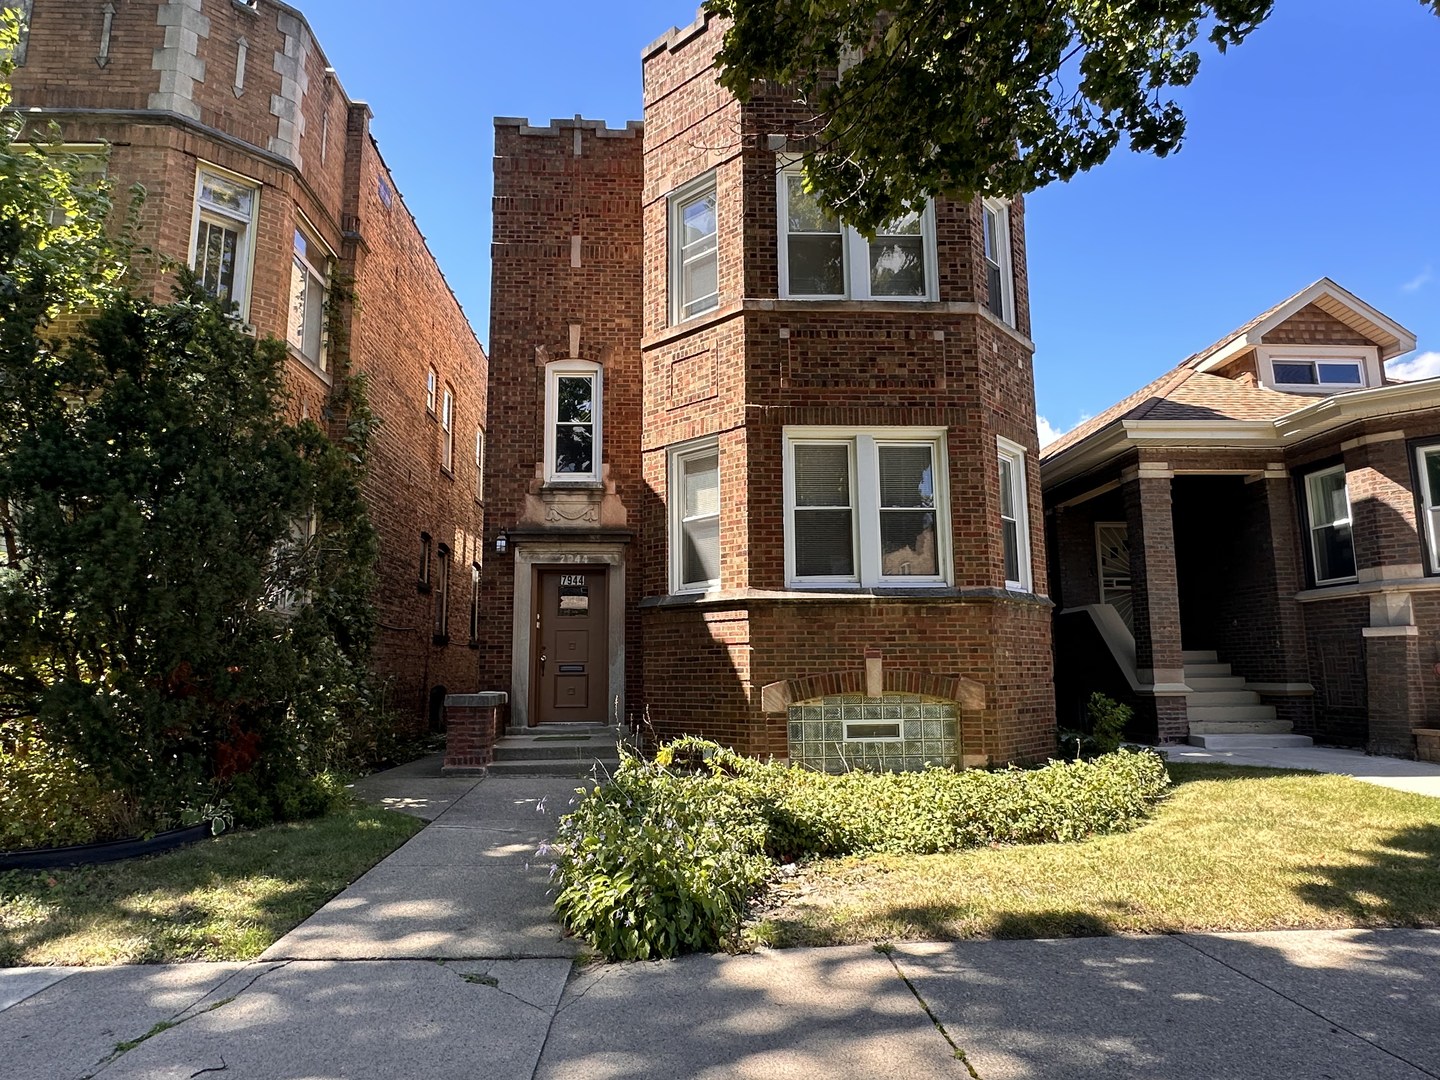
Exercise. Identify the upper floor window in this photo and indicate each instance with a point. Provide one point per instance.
(572, 420)
(694, 250)
(1327, 505)
(694, 486)
(424, 578)
(223, 243)
(999, 273)
(432, 385)
(821, 259)
(447, 431)
(865, 507)
(1428, 460)
(309, 285)
(1318, 369)
(1014, 515)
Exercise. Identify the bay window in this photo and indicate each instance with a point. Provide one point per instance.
(1000, 277)
(222, 244)
(1014, 516)
(866, 508)
(821, 259)
(309, 285)
(1428, 462)
(694, 250)
(694, 486)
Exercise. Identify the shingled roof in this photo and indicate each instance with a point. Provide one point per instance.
(1189, 392)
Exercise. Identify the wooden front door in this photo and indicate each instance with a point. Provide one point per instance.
(571, 647)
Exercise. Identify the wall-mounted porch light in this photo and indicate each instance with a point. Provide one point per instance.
(502, 542)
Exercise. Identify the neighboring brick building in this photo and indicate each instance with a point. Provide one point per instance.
(757, 478)
(1247, 547)
(260, 172)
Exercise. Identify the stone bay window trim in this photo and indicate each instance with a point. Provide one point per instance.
(222, 244)
(694, 486)
(999, 269)
(447, 432)
(694, 250)
(1327, 520)
(573, 430)
(309, 293)
(1014, 515)
(821, 259)
(865, 508)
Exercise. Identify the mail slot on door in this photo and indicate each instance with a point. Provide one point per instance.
(572, 669)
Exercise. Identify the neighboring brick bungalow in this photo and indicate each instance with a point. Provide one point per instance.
(753, 476)
(1247, 547)
(261, 173)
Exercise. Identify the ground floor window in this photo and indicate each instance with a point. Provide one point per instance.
(694, 487)
(1332, 546)
(893, 731)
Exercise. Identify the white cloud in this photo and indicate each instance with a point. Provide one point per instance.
(1424, 366)
(1049, 432)
(1420, 280)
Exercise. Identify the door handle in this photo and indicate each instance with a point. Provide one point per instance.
(543, 658)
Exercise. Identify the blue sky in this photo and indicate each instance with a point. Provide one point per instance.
(1313, 150)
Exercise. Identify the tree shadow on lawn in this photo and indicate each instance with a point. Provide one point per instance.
(1396, 884)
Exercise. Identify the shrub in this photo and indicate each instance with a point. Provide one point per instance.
(49, 799)
(1108, 720)
(660, 861)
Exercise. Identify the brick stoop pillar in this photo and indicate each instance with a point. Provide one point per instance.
(473, 723)
(1392, 673)
(1155, 592)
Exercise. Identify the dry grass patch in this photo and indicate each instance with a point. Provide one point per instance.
(1231, 849)
(224, 899)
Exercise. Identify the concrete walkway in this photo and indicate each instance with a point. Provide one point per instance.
(1420, 777)
(444, 962)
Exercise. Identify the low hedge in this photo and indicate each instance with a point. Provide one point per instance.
(663, 858)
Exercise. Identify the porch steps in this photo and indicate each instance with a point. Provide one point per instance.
(1225, 714)
(577, 750)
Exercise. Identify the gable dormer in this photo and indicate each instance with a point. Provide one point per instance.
(1323, 340)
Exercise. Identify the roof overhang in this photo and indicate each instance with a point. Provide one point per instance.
(1324, 415)
(1392, 339)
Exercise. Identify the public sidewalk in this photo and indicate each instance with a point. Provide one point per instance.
(444, 961)
(1420, 777)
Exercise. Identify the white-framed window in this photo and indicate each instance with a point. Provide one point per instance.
(1318, 369)
(447, 431)
(474, 603)
(999, 267)
(222, 242)
(1014, 515)
(1427, 461)
(479, 464)
(821, 259)
(432, 390)
(309, 286)
(442, 594)
(286, 598)
(866, 507)
(1327, 505)
(573, 437)
(424, 578)
(694, 487)
(694, 250)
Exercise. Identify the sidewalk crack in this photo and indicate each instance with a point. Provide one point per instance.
(960, 1055)
(1334, 1024)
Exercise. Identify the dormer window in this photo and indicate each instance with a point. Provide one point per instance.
(1318, 369)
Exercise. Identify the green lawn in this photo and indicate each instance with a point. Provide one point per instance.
(223, 899)
(1230, 849)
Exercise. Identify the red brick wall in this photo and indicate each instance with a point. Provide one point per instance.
(405, 315)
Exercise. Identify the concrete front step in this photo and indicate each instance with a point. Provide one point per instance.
(1230, 712)
(1200, 656)
(1207, 698)
(1210, 670)
(590, 767)
(1240, 727)
(1249, 742)
(1206, 683)
(508, 750)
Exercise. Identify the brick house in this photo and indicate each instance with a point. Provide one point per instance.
(754, 476)
(261, 174)
(1247, 549)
